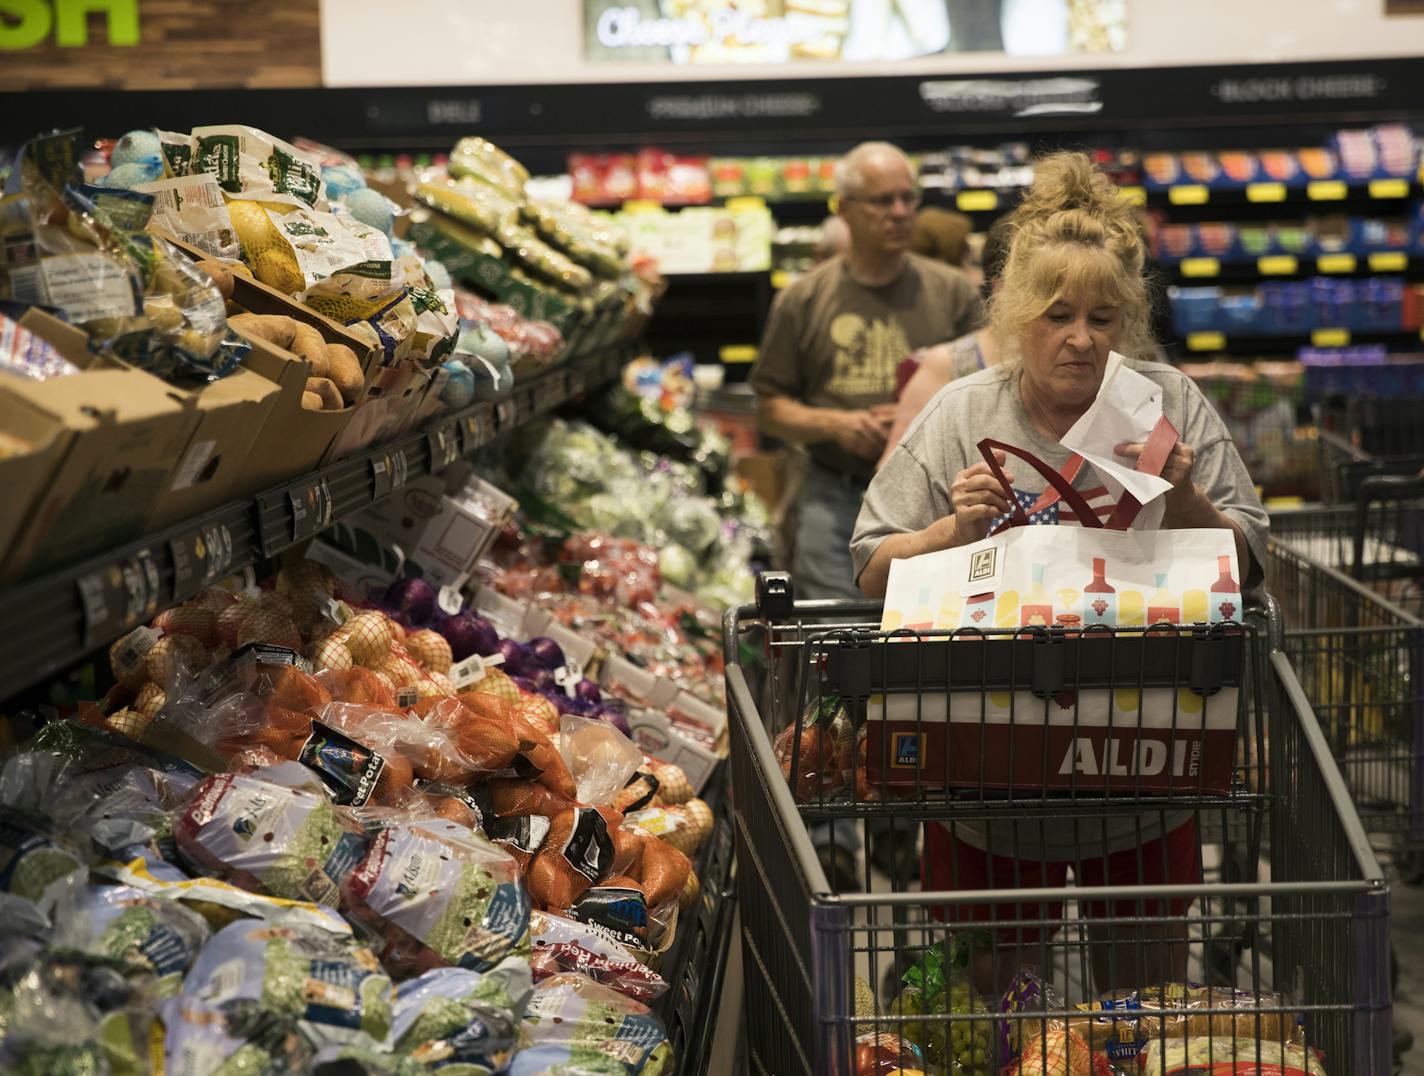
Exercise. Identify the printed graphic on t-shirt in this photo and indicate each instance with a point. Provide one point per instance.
(866, 355)
(1099, 500)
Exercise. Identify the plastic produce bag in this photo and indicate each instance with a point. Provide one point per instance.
(261, 976)
(563, 946)
(453, 1017)
(253, 164)
(438, 894)
(271, 831)
(124, 810)
(1183, 1057)
(125, 924)
(577, 1026)
(600, 758)
(193, 209)
(938, 984)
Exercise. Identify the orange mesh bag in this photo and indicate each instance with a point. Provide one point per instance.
(358, 685)
(577, 852)
(489, 743)
(664, 871)
(517, 798)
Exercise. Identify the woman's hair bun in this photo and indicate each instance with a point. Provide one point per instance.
(1065, 181)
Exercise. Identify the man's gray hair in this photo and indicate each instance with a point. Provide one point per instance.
(850, 169)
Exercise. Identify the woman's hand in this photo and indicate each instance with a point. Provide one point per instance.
(1185, 503)
(978, 500)
(1177, 470)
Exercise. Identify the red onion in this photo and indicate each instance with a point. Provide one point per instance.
(411, 597)
(547, 653)
(588, 691)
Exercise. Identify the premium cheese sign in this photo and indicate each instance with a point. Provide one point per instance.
(153, 44)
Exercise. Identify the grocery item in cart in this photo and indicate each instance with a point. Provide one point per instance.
(937, 985)
(1058, 1052)
(274, 830)
(882, 1053)
(438, 894)
(577, 1026)
(1227, 1056)
(1122, 1023)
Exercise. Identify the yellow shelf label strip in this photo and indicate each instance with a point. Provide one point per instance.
(1266, 192)
(1326, 190)
(1206, 341)
(976, 201)
(1188, 194)
(1330, 338)
(1389, 188)
(1336, 263)
(1134, 196)
(1389, 261)
(738, 354)
(1277, 265)
(1200, 267)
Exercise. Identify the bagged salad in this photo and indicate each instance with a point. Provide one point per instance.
(577, 1027)
(438, 894)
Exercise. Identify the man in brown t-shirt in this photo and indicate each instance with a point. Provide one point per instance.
(826, 375)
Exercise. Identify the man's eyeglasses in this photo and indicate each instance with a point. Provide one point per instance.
(885, 202)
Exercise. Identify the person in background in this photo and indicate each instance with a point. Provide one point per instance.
(834, 239)
(825, 379)
(943, 234)
(826, 373)
(937, 366)
(1073, 290)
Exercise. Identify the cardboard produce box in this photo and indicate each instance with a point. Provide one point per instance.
(106, 443)
(230, 414)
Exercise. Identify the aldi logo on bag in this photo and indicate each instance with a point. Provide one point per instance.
(982, 564)
(907, 750)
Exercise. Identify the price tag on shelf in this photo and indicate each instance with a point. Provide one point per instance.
(779, 279)
(976, 201)
(1188, 194)
(118, 596)
(472, 434)
(1330, 338)
(1277, 265)
(1335, 263)
(380, 476)
(1266, 192)
(185, 564)
(1200, 267)
(737, 354)
(1133, 196)
(311, 509)
(400, 469)
(504, 412)
(1326, 190)
(444, 447)
(1389, 188)
(1208, 341)
(1389, 261)
(568, 675)
(473, 669)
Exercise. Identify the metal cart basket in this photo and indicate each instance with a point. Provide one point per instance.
(1178, 774)
(1360, 661)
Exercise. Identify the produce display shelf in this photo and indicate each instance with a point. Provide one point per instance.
(1192, 271)
(695, 964)
(58, 618)
(1286, 343)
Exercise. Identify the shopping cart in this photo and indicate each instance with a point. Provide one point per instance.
(1291, 912)
(1360, 660)
(1345, 464)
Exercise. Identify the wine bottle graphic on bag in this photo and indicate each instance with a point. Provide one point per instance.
(977, 610)
(1037, 608)
(1162, 609)
(1130, 610)
(950, 610)
(1006, 613)
(1195, 609)
(1100, 596)
(922, 619)
(1225, 593)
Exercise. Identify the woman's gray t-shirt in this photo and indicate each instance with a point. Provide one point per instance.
(912, 491)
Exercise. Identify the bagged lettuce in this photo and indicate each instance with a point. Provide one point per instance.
(461, 1022)
(271, 831)
(327, 988)
(575, 1026)
(125, 924)
(439, 894)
